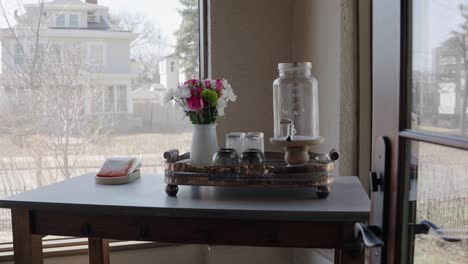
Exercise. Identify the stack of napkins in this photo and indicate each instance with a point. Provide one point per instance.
(118, 171)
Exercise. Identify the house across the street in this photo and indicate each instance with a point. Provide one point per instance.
(79, 40)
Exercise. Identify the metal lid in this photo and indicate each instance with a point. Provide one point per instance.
(289, 65)
(254, 135)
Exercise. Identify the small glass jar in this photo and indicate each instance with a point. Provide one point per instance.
(235, 140)
(254, 140)
(295, 102)
(226, 157)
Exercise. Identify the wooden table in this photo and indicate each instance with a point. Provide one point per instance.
(199, 215)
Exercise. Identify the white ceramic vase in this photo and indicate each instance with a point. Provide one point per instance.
(204, 144)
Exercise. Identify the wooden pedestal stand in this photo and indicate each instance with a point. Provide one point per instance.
(297, 151)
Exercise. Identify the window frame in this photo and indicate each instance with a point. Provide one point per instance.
(78, 20)
(61, 247)
(56, 17)
(18, 48)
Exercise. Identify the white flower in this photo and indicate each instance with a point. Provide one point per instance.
(228, 93)
(222, 104)
(226, 84)
(168, 96)
(213, 83)
(182, 92)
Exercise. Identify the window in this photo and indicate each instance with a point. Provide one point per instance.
(19, 54)
(60, 20)
(93, 18)
(73, 21)
(121, 99)
(172, 66)
(116, 110)
(109, 99)
(112, 99)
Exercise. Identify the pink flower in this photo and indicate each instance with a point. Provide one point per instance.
(219, 85)
(195, 103)
(196, 91)
(207, 84)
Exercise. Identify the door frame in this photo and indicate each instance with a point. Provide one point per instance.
(391, 68)
(386, 84)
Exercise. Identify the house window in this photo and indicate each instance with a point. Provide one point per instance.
(112, 99)
(19, 54)
(96, 54)
(109, 99)
(121, 99)
(93, 18)
(172, 66)
(60, 20)
(73, 21)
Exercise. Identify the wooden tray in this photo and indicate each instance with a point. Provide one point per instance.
(317, 174)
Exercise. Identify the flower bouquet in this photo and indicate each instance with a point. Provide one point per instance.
(203, 101)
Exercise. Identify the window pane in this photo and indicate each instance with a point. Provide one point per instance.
(439, 193)
(60, 20)
(109, 99)
(73, 20)
(121, 98)
(19, 54)
(92, 92)
(439, 94)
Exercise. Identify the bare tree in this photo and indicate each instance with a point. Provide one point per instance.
(148, 35)
(147, 47)
(49, 88)
(458, 41)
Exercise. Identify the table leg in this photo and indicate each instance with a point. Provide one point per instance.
(337, 259)
(351, 251)
(98, 250)
(26, 246)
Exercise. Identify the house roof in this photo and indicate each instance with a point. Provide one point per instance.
(69, 4)
(149, 92)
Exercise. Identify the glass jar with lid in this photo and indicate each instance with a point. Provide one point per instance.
(295, 103)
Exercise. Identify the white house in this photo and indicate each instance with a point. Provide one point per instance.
(76, 27)
(170, 73)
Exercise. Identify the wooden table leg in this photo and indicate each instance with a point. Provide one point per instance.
(351, 252)
(26, 246)
(337, 259)
(98, 250)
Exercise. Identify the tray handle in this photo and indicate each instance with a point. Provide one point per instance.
(173, 156)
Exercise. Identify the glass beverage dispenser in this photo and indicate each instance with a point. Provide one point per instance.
(295, 106)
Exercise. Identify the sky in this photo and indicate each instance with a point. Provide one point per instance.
(162, 13)
(433, 22)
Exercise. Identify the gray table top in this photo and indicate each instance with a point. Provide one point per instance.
(146, 196)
